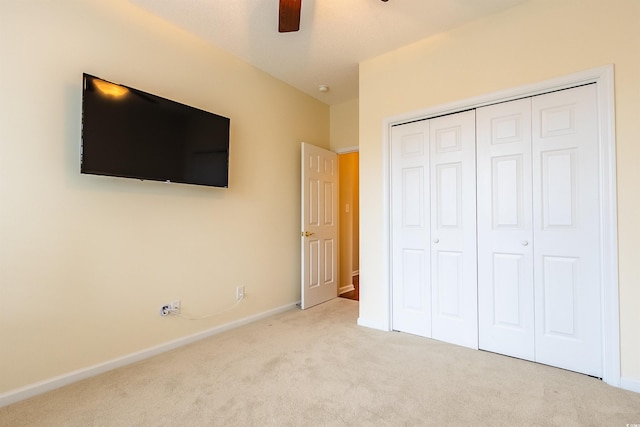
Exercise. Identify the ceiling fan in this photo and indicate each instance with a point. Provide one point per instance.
(289, 16)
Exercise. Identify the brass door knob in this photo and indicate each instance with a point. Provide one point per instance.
(307, 233)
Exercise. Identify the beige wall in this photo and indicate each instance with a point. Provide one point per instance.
(344, 125)
(536, 41)
(86, 261)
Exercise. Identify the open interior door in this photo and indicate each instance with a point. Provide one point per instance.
(319, 235)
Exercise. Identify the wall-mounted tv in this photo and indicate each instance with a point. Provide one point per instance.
(133, 134)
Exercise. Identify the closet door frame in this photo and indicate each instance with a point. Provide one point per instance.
(604, 79)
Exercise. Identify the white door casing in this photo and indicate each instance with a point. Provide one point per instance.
(505, 229)
(319, 221)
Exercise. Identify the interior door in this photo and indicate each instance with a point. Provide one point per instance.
(566, 230)
(505, 229)
(410, 210)
(454, 292)
(319, 236)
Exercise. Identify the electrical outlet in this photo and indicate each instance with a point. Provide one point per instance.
(173, 308)
(239, 293)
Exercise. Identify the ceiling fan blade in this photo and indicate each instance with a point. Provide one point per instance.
(289, 16)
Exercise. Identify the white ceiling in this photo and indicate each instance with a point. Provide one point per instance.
(334, 36)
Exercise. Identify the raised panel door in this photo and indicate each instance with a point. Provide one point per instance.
(319, 225)
(566, 230)
(453, 229)
(505, 234)
(410, 190)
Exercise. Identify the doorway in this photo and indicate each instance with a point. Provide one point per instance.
(349, 226)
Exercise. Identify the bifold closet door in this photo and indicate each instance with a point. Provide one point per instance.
(538, 230)
(566, 230)
(410, 231)
(434, 286)
(454, 289)
(505, 229)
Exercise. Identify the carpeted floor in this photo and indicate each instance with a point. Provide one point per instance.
(318, 368)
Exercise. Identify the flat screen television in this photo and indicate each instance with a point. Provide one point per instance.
(133, 134)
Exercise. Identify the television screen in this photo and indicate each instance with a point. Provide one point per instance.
(134, 134)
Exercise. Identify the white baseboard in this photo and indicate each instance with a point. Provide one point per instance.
(367, 323)
(630, 384)
(32, 390)
(345, 289)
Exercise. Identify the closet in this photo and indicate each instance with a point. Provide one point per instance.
(495, 238)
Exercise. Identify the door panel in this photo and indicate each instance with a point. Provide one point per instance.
(449, 268)
(319, 225)
(413, 286)
(507, 271)
(413, 197)
(559, 283)
(313, 263)
(559, 188)
(449, 195)
(505, 235)
(453, 229)
(507, 192)
(410, 293)
(329, 267)
(566, 230)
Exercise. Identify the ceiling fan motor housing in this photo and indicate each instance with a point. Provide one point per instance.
(289, 16)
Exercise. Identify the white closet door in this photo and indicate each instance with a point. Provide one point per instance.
(454, 303)
(505, 246)
(566, 230)
(411, 297)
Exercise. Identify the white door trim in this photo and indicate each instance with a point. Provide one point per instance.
(347, 150)
(604, 79)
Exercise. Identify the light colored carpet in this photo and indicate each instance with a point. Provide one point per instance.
(318, 368)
